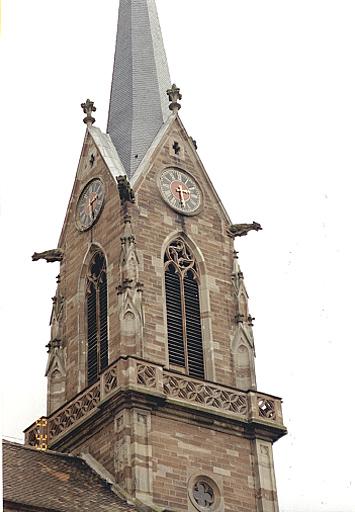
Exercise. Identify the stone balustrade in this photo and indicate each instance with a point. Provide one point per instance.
(137, 375)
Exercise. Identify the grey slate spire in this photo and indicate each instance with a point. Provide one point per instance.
(139, 105)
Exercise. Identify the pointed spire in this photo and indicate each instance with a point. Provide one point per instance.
(140, 79)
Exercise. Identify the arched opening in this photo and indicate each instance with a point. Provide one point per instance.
(185, 344)
(96, 317)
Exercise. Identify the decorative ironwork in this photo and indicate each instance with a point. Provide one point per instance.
(38, 435)
(205, 394)
(75, 411)
(41, 435)
(147, 375)
(266, 408)
(203, 494)
(110, 380)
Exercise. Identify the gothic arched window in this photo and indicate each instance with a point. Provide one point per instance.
(183, 309)
(96, 314)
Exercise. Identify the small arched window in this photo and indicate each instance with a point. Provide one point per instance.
(183, 309)
(96, 314)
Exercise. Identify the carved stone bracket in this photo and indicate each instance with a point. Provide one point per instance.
(50, 256)
(235, 230)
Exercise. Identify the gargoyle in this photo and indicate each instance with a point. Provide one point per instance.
(125, 190)
(243, 229)
(50, 256)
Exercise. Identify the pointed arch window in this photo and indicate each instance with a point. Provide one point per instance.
(96, 314)
(183, 309)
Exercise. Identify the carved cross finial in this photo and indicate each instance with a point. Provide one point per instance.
(88, 108)
(174, 96)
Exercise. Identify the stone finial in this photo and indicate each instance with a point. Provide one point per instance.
(174, 96)
(88, 108)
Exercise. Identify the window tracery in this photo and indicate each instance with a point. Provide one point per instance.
(183, 309)
(96, 314)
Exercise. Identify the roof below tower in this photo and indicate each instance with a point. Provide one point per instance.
(35, 480)
(139, 104)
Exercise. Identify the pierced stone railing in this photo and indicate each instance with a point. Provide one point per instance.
(143, 377)
(207, 395)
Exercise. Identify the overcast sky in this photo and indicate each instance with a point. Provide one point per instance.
(269, 94)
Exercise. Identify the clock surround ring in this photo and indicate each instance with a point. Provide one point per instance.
(79, 225)
(192, 180)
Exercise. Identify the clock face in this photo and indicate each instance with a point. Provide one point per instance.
(180, 191)
(90, 204)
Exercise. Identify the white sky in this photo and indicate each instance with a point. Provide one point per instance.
(269, 94)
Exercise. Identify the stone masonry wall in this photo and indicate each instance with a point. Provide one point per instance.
(154, 223)
(182, 450)
(105, 234)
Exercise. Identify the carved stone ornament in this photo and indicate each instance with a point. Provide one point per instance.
(180, 254)
(174, 96)
(130, 290)
(88, 108)
(242, 343)
(125, 190)
(235, 230)
(203, 494)
(50, 256)
(57, 316)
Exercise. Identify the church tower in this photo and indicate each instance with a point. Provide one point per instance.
(151, 359)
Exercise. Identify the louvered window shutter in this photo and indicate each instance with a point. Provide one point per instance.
(183, 309)
(193, 326)
(103, 322)
(174, 316)
(92, 334)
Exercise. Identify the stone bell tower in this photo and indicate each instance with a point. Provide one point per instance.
(151, 358)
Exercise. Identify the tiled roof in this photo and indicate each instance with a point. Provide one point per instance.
(55, 481)
(139, 105)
